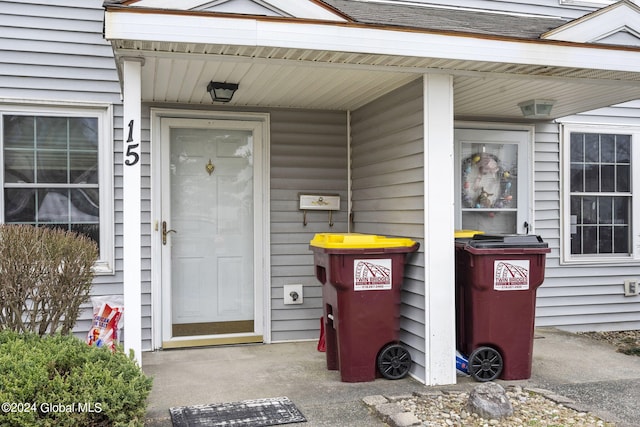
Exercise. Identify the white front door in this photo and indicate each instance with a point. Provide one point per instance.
(493, 182)
(208, 232)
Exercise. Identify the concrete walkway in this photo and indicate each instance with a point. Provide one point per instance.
(591, 373)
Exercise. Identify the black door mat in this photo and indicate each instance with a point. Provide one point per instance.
(249, 413)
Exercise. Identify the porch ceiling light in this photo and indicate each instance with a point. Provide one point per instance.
(537, 108)
(221, 92)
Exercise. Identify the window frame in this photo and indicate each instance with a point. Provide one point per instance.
(104, 114)
(567, 258)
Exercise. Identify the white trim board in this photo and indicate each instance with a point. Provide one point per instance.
(330, 37)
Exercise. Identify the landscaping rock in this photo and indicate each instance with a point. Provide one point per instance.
(386, 410)
(374, 400)
(490, 401)
(404, 419)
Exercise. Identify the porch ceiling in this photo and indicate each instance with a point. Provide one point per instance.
(314, 79)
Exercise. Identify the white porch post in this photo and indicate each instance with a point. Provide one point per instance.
(131, 217)
(439, 229)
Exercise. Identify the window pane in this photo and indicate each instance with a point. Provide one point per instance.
(577, 147)
(621, 211)
(621, 240)
(489, 176)
(607, 148)
(52, 167)
(605, 210)
(85, 205)
(19, 205)
(591, 148)
(62, 205)
(605, 244)
(83, 167)
(576, 208)
(52, 132)
(589, 240)
(589, 210)
(90, 230)
(18, 132)
(623, 178)
(18, 166)
(592, 178)
(576, 243)
(577, 177)
(607, 177)
(53, 206)
(623, 148)
(83, 133)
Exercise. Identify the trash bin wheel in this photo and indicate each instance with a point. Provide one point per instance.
(394, 361)
(485, 364)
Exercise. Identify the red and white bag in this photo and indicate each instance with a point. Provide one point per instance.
(107, 311)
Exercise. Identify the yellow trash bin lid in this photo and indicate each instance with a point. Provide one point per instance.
(359, 241)
(466, 234)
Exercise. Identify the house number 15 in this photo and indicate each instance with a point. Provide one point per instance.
(132, 155)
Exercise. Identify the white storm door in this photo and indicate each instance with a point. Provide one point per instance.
(493, 180)
(208, 229)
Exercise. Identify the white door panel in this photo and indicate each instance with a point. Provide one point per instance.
(208, 201)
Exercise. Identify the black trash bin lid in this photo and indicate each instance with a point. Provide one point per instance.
(497, 241)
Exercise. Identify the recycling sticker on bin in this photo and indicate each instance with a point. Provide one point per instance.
(511, 275)
(371, 274)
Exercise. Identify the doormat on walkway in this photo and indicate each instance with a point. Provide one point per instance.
(248, 413)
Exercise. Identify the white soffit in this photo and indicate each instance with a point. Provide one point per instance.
(304, 9)
(615, 24)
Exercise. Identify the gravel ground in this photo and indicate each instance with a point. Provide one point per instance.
(531, 407)
(627, 342)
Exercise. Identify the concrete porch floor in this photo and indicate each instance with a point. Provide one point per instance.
(591, 373)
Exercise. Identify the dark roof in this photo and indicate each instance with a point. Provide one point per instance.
(447, 19)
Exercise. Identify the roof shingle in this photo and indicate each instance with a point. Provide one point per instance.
(447, 19)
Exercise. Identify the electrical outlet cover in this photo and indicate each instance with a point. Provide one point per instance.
(631, 288)
(293, 294)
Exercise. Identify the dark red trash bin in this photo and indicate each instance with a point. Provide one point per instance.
(497, 277)
(361, 276)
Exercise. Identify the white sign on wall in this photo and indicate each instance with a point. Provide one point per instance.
(511, 275)
(371, 274)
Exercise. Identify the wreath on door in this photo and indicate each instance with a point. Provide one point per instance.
(485, 183)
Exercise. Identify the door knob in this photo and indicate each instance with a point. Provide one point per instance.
(165, 232)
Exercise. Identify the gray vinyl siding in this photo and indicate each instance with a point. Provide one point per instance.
(578, 298)
(387, 158)
(308, 155)
(54, 53)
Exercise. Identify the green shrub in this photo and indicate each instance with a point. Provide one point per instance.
(45, 276)
(61, 381)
